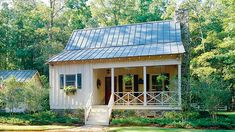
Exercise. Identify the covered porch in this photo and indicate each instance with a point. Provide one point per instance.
(138, 87)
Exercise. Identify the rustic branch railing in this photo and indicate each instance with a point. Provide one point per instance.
(153, 98)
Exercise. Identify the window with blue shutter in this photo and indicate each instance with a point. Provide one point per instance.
(61, 81)
(70, 80)
(79, 81)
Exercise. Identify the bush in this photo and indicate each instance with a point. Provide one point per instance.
(177, 119)
(40, 118)
(123, 113)
(181, 115)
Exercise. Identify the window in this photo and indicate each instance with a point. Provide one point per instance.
(70, 80)
(128, 81)
(160, 85)
(156, 84)
(79, 81)
(61, 81)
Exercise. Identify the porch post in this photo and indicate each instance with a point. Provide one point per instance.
(112, 80)
(145, 86)
(179, 84)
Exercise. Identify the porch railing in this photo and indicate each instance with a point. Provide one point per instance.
(153, 98)
(110, 105)
(88, 107)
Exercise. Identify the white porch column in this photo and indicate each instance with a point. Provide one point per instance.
(145, 86)
(112, 80)
(179, 84)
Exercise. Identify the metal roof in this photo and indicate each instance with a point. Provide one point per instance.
(20, 75)
(151, 38)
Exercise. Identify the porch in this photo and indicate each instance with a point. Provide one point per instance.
(141, 87)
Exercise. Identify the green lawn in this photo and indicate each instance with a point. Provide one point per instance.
(157, 129)
(7, 127)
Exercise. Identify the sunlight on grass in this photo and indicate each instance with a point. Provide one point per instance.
(4, 127)
(157, 129)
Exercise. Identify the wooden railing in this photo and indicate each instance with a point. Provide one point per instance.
(88, 107)
(110, 105)
(162, 98)
(153, 98)
(129, 98)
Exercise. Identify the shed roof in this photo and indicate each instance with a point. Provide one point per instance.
(20, 75)
(142, 39)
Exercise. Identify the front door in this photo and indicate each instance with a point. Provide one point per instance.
(108, 88)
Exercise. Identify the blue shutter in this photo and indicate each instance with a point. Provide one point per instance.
(79, 81)
(61, 81)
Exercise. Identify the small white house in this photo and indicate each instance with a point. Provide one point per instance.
(135, 66)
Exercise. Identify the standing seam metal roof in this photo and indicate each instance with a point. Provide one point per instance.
(20, 75)
(151, 38)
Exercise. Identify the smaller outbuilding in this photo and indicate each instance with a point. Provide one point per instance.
(20, 75)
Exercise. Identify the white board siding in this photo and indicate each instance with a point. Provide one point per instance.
(58, 98)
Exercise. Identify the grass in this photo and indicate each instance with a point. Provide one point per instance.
(157, 129)
(7, 127)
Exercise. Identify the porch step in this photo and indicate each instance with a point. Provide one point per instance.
(98, 115)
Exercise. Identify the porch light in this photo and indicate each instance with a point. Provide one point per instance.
(108, 71)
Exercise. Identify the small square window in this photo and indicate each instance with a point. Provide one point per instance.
(70, 80)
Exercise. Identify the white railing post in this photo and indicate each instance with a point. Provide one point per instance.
(179, 84)
(145, 86)
(112, 80)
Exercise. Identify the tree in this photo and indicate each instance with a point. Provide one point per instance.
(13, 94)
(36, 98)
(210, 93)
(119, 12)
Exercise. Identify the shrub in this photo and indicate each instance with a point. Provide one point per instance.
(40, 118)
(123, 113)
(181, 115)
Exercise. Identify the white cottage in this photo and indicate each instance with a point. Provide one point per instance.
(135, 66)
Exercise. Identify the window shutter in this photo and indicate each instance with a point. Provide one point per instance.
(120, 84)
(136, 87)
(61, 81)
(79, 81)
(147, 80)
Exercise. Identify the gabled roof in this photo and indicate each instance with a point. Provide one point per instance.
(143, 39)
(20, 75)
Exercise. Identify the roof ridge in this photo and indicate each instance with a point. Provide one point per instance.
(121, 46)
(94, 28)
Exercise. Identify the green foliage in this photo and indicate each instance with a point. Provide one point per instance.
(123, 113)
(27, 95)
(36, 97)
(12, 94)
(177, 119)
(210, 93)
(128, 78)
(41, 118)
(70, 90)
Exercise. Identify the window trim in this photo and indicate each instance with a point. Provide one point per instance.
(163, 82)
(132, 83)
(155, 85)
(76, 79)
